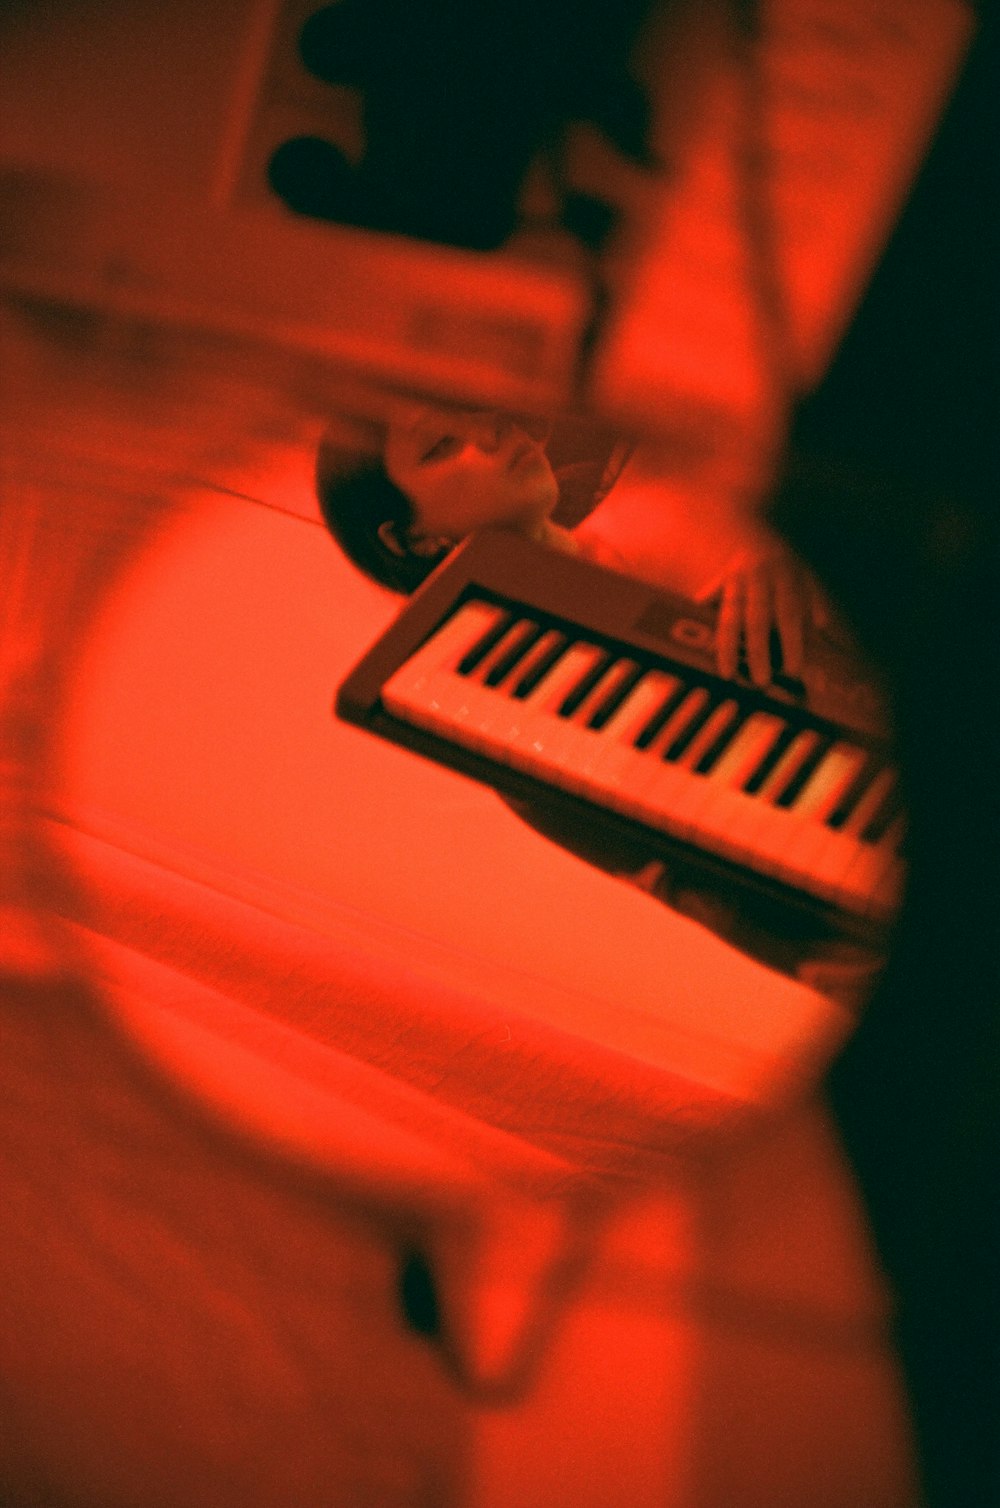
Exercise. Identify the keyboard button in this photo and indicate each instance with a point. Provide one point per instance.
(505, 651)
(795, 753)
(603, 689)
(616, 763)
(844, 808)
(474, 624)
(540, 661)
(883, 818)
(624, 685)
(830, 781)
(870, 802)
(586, 685)
(566, 674)
(713, 748)
(776, 751)
(674, 695)
(494, 621)
(720, 721)
(692, 731)
(804, 772)
(636, 712)
(873, 883)
(683, 715)
(515, 655)
(749, 747)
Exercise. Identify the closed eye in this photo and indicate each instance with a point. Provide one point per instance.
(447, 445)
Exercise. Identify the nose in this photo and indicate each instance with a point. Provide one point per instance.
(491, 430)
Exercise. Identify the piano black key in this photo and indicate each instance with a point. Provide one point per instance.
(609, 706)
(482, 647)
(878, 825)
(527, 683)
(751, 741)
(721, 719)
(720, 744)
(686, 736)
(586, 685)
(659, 718)
(857, 788)
(830, 780)
(526, 639)
(783, 741)
(796, 784)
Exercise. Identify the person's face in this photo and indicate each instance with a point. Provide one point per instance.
(464, 469)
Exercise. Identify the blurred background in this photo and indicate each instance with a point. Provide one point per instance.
(360, 1145)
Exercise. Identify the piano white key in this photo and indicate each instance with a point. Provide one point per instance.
(610, 681)
(659, 795)
(518, 632)
(544, 646)
(829, 781)
(827, 856)
(637, 710)
(434, 700)
(471, 623)
(728, 821)
(836, 863)
(489, 719)
(542, 745)
(715, 725)
(475, 716)
(799, 749)
(446, 648)
(723, 820)
(773, 841)
(621, 773)
(542, 735)
(568, 745)
(564, 677)
(677, 722)
(613, 760)
(870, 802)
(737, 763)
(776, 840)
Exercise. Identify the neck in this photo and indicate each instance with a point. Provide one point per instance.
(555, 537)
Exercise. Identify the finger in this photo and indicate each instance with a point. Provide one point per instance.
(757, 619)
(729, 627)
(790, 602)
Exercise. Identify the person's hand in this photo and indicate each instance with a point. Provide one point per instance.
(771, 594)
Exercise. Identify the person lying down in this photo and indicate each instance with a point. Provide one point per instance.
(434, 474)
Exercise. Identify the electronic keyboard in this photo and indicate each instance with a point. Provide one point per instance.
(592, 695)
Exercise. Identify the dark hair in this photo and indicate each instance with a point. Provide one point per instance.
(354, 505)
